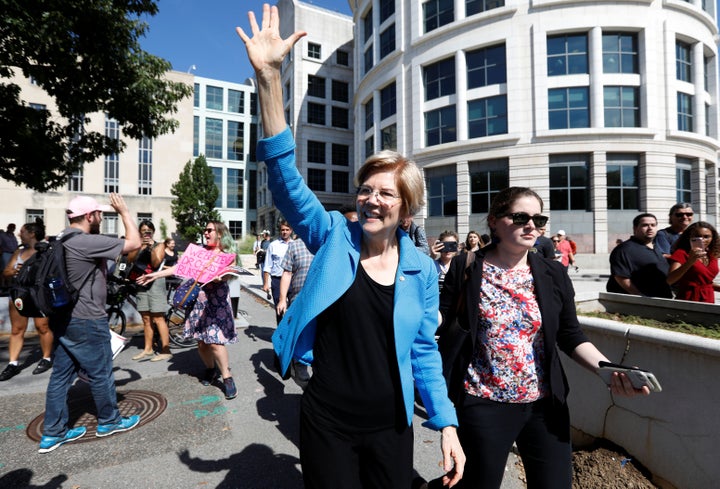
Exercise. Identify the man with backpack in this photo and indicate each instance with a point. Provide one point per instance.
(81, 330)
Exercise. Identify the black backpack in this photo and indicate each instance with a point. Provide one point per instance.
(42, 288)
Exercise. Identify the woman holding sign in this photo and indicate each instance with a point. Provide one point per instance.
(211, 320)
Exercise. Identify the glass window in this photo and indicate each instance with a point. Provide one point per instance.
(235, 141)
(387, 41)
(316, 113)
(234, 188)
(340, 182)
(368, 114)
(340, 91)
(569, 183)
(218, 179)
(567, 54)
(316, 152)
(684, 112)
(316, 179)
(213, 98)
(568, 107)
(314, 51)
(473, 7)
(213, 138)
(252, 185)
(340, 117)
(253, 142)
(683, 62)
(622, 182)
(145, 166)
(439, 79)
(316, 86)
(253, 104)
(112, 162)
(683, 179)
(340, 154)
(368, 59)
(236, 101)
(487, 179)
(369, 146)
(387, 8)
(487, 116)
(486, 66)
(437, 13)
(235, 229)
(620, 53)
(75, 182)
(388, 137)
(196, 136)
(622, 107)
(110, 224)
(342, 57)
(368, 26)
(196, 95)
(31, 215)
(440, 126)
(388, 105)
(442, 191)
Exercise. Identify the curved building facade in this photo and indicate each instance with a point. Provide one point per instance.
(606, 109)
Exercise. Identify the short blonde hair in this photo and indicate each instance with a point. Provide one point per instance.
(408, 177)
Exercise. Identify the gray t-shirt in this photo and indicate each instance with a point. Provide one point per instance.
(87, 254)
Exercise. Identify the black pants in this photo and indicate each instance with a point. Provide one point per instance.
(332, 459)
(275, 291)
(541, 430)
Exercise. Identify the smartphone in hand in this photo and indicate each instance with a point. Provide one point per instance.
(638, 377)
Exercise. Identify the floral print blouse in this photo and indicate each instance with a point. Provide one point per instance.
(508, 359)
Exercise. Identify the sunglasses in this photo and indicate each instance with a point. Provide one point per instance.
(684, 214)
(209, 230)
(522, 218)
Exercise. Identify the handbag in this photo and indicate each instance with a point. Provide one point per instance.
(455, 344)
(187, 293)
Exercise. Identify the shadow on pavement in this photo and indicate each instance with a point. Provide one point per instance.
(256, 466)
(22, 477)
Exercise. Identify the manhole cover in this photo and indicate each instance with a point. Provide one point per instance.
(149, 405)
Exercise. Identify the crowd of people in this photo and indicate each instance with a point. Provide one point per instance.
(361, 299)
(679, 261)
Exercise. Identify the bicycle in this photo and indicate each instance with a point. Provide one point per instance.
(118, 292)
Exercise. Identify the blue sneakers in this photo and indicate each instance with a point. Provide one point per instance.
(230, 389)
(124, 424)
(50, 443)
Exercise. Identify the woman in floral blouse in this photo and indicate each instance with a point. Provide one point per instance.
(510, 385)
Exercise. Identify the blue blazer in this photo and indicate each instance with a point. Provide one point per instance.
(335, 241)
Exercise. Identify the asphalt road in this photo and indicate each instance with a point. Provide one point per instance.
(200, 440)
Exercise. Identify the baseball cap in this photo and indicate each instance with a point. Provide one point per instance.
(561, 233)
(265, 231)
(82, 204)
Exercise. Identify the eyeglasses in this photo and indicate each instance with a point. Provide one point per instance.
(522, 218)
(684, 214)
(556, 241)
(385, 197)
(208, 230)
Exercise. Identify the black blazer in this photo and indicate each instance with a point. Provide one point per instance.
(556, 300)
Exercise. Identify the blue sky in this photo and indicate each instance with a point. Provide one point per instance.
(202, 33)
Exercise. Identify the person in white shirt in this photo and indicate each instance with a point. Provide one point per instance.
(272, 269)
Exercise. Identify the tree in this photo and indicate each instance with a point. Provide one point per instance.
(86, 55)
(195, 195)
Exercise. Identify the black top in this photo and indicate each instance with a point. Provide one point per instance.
(544, 246)
(646, 268)
(355, 383)
(170, 260)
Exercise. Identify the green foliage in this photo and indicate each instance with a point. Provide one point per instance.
(86, 55)
(245, 247)
(195, 195)
(163, 229)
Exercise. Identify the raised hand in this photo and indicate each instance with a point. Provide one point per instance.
(266, 49)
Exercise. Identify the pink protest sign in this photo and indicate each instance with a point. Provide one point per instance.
(194, 263)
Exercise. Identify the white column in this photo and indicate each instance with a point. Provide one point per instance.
(598, 199)
(597, 114)
(698, 73)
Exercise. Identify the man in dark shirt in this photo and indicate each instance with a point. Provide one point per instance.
(636, 266)
(680, 217)
(544, 245)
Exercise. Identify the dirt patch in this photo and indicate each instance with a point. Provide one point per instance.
(607, 466)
